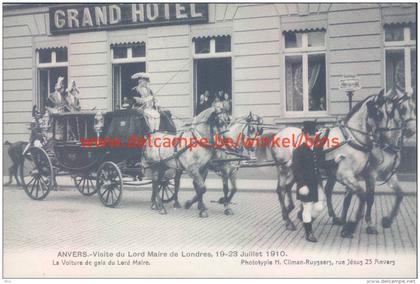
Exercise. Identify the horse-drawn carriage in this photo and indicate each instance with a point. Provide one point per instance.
(92, 148)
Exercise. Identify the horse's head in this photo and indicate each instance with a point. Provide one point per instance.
(254, 125)
(378, 112)
(405, 106)
(219, 119)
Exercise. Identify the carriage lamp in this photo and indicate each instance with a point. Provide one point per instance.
(99, 123)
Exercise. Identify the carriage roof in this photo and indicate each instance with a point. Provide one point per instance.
(122, 123)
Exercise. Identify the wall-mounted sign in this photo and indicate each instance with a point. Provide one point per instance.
(349, 83)
(92, 17)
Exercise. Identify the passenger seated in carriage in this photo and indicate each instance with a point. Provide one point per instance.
(56, 103)
(73, 103)
(145, 102)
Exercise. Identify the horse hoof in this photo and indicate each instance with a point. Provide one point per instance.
(221, 200)
(203, 214)
(346, 234)
(290, 208)
(188, 205)
(177, 205)
(163, 211)
(154, 206)
(386, 222)
(371, 230)
(228, 211)
(290, 226)
(337, 221)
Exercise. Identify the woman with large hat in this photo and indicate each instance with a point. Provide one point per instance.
(144, 101)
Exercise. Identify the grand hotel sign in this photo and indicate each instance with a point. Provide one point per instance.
(91, 17)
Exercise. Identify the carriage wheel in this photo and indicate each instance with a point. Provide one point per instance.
(109, 184)
(167, 191)
(36, 173)
(85, 184)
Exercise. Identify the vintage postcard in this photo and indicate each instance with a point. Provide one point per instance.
(210, 140)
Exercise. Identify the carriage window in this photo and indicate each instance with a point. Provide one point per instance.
(305, 72)
(51, 64)
(400, 57)
(126, 61)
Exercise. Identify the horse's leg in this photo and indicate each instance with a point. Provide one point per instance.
(200, 189)
(329, 187)
(156, 178)
(154, 205)
(223, 200)
(291, 205)
(177, 181)
(17, 174)
(232, 177)
(350, 226)
(370, 197)
(393, 183)
(346, 205)
(225, 181)
(281, 196)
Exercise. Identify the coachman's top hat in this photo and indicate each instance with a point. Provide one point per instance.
(309, 127)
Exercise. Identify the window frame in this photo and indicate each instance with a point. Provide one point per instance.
(129, 59)
(118, 62)
(406, 45)
(212, 53)
(48, 66)
(304, 52)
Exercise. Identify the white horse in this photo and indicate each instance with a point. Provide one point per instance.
(239, 132)
(385, 157)
(192, 156)
(347, 160)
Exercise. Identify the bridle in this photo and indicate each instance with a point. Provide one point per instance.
(400, 126)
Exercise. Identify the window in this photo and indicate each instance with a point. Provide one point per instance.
(212, 46)
(400, 57)
(51, 64)
(127, 59)
(212, 72)
(305, 71)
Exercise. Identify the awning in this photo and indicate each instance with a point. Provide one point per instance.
(50, 43)
(317, 22)
(399, 19)
(210, 32)
(304, 26)
(128, 44)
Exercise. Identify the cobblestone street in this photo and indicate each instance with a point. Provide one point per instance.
(35, 232)
(67, 218)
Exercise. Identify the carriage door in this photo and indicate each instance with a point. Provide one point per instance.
(212, 72)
